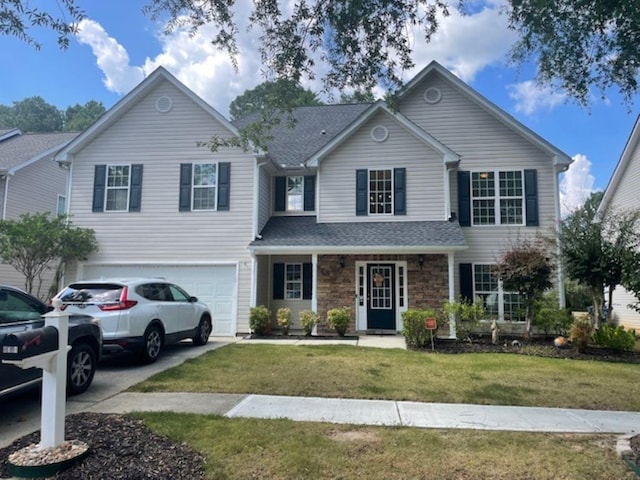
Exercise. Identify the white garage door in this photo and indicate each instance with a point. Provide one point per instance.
(213, 285)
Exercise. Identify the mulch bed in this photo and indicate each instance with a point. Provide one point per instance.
(121, 448)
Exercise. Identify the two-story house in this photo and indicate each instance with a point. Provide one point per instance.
(30, 182)
(364, 206)
(621, 195)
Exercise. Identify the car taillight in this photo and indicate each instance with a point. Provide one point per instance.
(123, 303)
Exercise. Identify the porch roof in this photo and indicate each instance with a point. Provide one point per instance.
(303, 234)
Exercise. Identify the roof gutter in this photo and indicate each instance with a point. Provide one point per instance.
(353, 250)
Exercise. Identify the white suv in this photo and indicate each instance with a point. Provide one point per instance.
(141, 315)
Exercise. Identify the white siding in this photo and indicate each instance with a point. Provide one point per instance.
(264, 199)
(159, 232)
(424, 174)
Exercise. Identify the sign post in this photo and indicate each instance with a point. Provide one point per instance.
(431, 324)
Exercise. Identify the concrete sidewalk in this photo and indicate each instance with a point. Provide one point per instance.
(378, 412)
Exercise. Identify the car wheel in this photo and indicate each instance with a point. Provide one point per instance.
(152, 344)
(81, 367)
(203, 331)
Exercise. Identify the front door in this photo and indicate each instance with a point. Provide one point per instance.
(381, 302)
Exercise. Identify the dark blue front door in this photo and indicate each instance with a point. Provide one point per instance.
(381, 302)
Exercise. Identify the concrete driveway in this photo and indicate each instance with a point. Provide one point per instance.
(20, 414)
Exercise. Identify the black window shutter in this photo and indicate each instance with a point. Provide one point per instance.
(185, 187)
(135, 194)
(278, 281)
(224, 185)
(464, 198)
(466, 282)
(399, 191)
(531, 197)
(307, 281)
(281, 194)
(309, 193)
(362, 191)
(99, 180)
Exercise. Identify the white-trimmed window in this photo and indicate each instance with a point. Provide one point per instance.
(497, 197)
(381, 192)
(205, 183)
(61, 205)
(117, 188)
(498, 304)
(293, 281)
(295, 194)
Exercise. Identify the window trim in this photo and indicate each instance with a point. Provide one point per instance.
(195, 187)
(393, 192)
(61, 200)
(107, 188)
(496, 197)
(286, 194)
(299, 282)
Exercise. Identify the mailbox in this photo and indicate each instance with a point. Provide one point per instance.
(22, 345)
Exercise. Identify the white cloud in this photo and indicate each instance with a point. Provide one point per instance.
(112, 58)
(467, 43)
(530, 97)
(576, 185)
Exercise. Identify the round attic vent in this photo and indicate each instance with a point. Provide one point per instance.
(379, 133)
(432, 95)
(164, 104)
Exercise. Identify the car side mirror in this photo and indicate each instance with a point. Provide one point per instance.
(193, 299)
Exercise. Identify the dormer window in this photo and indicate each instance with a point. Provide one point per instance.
(295, 194)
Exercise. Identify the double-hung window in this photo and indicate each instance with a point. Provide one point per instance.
(380, 192)
(205, 183)
(293, 281)
(295, 194)
(497, 197)
(117, 188)
(497, 303)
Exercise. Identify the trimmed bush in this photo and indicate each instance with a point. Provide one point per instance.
(614, 337)
(339, 319)
(308, 319)
(284, 319)
(260, 320)
(414, 330)
(467, 316)
(580, 333)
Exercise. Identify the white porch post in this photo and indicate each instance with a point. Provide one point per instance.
(452, 293)
(314, 290)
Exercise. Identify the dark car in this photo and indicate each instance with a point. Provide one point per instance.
(20, 312)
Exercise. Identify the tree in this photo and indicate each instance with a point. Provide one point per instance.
(79, 117)
(631, 279)
(272, 95)
(358, 96)
(597, 251)
(576, 43)
(35, 115)
(580, 43)
(526, 268)
(34, 242)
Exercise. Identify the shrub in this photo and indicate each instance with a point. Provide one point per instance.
(580, 333)
(550, 318)
(414, 330)
(467, 316)
(308, 319)
(284, 319)
(339, 319)
(260, 320)
(614, 337)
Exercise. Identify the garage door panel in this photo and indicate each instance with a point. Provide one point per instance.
(214, 285)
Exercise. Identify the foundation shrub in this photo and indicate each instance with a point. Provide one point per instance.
(260, 320)
(414, 329)
(615, 337)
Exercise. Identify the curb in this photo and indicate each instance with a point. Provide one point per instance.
(623, 448)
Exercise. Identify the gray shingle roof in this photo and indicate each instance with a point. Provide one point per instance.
(292, 146)
(22, 148)
(304, 231)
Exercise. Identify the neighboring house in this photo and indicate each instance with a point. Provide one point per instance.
(30, 182)
(622, 194)
(363, 206)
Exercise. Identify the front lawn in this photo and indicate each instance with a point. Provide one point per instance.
(394, 374)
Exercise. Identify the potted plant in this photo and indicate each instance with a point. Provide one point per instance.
(308, 319)
(339, 319)
(284, 319)
(260, 320)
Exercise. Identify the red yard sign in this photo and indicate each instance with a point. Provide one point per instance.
(430, 323)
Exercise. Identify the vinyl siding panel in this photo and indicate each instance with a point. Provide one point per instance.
(264, 199)
(159, 232)
(424, 174)
(622, 313)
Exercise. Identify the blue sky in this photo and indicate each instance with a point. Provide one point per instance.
(118, 45)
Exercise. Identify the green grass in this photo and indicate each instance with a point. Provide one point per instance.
(282, 449)
(395, 374)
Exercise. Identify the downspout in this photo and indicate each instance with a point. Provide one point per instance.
(5, 176)
(562, 302)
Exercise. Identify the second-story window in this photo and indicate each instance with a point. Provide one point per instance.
(205, 182)
(380, 192)
(295, 194)
(497, 198)
(117, 188)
